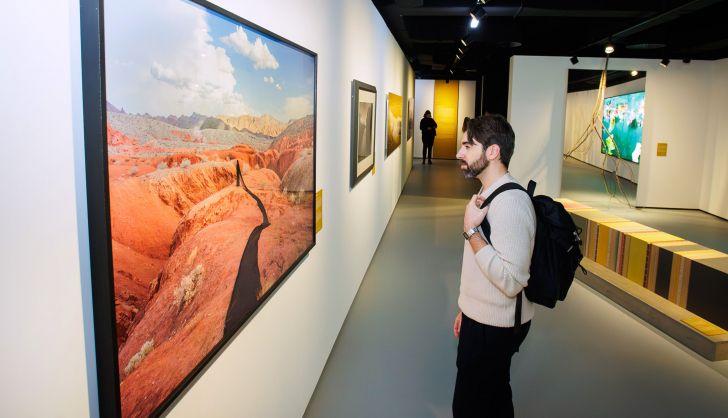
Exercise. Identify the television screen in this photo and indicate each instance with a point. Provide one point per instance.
(623, 118)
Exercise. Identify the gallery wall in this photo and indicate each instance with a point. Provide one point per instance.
(579, 108)
(271, 367)
(714, 190)
(425, 99)
(676, 106)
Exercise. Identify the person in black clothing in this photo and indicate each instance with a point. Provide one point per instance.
(428, 127)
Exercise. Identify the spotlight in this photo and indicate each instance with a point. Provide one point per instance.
(461, 50)
(457, 57)
(474, 22)
(463, 42)
(665, 62)
(452, 72)
(574, 60)
(634, 73)
(608, 48)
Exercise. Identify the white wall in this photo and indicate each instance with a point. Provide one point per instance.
(677, 106)
(44, 370)
(425, 100)
(579, 108)
(536, 109)
(466, 106)
(271, 367)
(714, 191)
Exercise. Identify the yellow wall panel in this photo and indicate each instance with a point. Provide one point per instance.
(445, 113)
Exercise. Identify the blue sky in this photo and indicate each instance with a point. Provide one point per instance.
(175, 57)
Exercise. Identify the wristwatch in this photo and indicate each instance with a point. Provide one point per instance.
(470, 232)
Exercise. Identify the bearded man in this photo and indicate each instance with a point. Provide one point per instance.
(494, 272)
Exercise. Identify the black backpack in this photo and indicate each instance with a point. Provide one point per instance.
(556, 252)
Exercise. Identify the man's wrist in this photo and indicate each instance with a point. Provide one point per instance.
(469, 233)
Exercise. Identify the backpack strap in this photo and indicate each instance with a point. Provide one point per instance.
(485, 226)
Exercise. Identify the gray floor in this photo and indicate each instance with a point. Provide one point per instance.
(395, 354)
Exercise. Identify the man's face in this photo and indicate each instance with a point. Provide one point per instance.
(472, 157)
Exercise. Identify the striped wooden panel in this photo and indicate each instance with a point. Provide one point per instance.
(639, 260)
(705, 290)
(687, 274)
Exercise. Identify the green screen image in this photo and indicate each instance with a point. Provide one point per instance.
(623, 118)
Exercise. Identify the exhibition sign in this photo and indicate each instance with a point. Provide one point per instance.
(363, 128)
(394, 122)
(200, 162)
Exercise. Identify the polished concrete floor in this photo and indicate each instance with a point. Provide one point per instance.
(395, 355)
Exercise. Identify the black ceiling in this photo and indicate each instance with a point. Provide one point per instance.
(429, 31)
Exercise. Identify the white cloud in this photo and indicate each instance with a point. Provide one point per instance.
(298, 107)
(279, 87)
(269, 80)
(178, 71)
(257, 51)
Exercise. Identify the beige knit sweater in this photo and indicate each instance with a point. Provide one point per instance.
(491, 279)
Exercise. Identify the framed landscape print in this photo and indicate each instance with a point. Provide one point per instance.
(200, 160)
(394, 122)
(410, 118)
(363, 124)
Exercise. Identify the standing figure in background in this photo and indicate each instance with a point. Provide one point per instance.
(428, 127)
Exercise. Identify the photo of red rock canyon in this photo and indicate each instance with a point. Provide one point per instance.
(181, 221)
(210, 144)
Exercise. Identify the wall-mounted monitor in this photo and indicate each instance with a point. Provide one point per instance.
(623, 118)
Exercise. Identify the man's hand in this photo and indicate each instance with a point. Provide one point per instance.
(473, 214)
(456, 325)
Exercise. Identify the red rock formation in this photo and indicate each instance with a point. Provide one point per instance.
(185, 318)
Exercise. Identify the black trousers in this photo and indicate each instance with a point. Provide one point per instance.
(427, 148)
(483, 387)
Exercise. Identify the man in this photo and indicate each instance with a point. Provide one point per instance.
(493, 273)
(428, 126)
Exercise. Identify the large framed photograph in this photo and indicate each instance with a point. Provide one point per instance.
(394, 122)
(200, 158)
(410, 118)
(363, 123)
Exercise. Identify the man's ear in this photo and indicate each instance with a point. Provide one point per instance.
(493, 152)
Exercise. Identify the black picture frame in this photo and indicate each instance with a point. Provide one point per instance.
(94, 85)
(363, 130)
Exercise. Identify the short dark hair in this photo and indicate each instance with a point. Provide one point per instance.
(490, 129)
(465, 123)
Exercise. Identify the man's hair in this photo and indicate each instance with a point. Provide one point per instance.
(466, 121)
(492, 129)
(427, 112)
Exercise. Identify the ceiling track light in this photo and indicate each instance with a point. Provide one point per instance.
(608, 48)
(461, 50)
(474, 22)
(462, 41)
(634, 73)
(574, 60)
(665, 62)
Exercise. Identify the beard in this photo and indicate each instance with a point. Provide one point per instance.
(472, 170)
